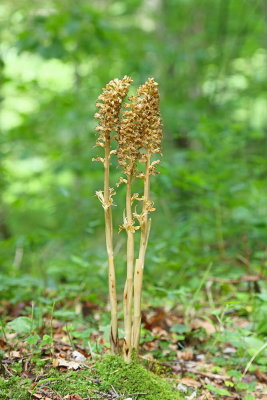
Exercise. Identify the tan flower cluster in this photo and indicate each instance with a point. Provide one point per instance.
(109, 105)
(140, 132)
(130, 135)
(151, 122)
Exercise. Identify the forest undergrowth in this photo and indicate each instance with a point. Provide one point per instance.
(207, 344)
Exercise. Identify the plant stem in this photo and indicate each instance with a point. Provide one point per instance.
(139, 266)
(109, 245)
(128, 289)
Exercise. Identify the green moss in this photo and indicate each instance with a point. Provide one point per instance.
(15, 388)
(108, 373)
(72, 382)
(133, 378)
(78, 382)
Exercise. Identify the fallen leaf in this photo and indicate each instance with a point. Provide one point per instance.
(186, 355)
(36, 395)
(207, 325)
(260, 376)
(208, 396)
(46, 394)
(15, 354)
(62, 362)
(156, 318)
(73, 397)
(190, 382)
(77, 356)
(229, 350)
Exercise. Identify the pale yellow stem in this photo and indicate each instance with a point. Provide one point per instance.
(128, 289)
(139, 266)
(109, 246)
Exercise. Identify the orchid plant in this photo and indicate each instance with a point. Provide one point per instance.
(135, 126)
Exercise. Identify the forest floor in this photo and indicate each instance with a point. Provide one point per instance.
(53, 349)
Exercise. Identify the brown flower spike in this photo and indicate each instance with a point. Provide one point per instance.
(136, 126)
(109, 106)
(140, 131)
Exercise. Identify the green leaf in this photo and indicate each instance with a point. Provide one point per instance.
(21, 324)
(46, 340)
(249, 397)
(179, 328)
(242, 385)
(32, 339)
(221, 391)
(234, 373)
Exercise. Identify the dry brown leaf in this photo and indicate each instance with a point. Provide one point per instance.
(186, 355)
(62, 362)
(208, 396)
(201, 323)
(156, 318)
(15, 354)
(45, 393)
(36, 395)
(190, 382)
(240, 322)
(260, 376)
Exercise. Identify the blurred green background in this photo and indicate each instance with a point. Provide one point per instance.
(210, 60)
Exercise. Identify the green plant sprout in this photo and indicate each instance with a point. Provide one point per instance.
(136, 129)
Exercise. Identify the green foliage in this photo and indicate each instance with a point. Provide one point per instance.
(211, 190)
(220, 391)
(21, 324)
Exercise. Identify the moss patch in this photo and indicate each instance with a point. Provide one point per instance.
(129, 379)
(14, 388)
(106, 375)
(73, 382)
